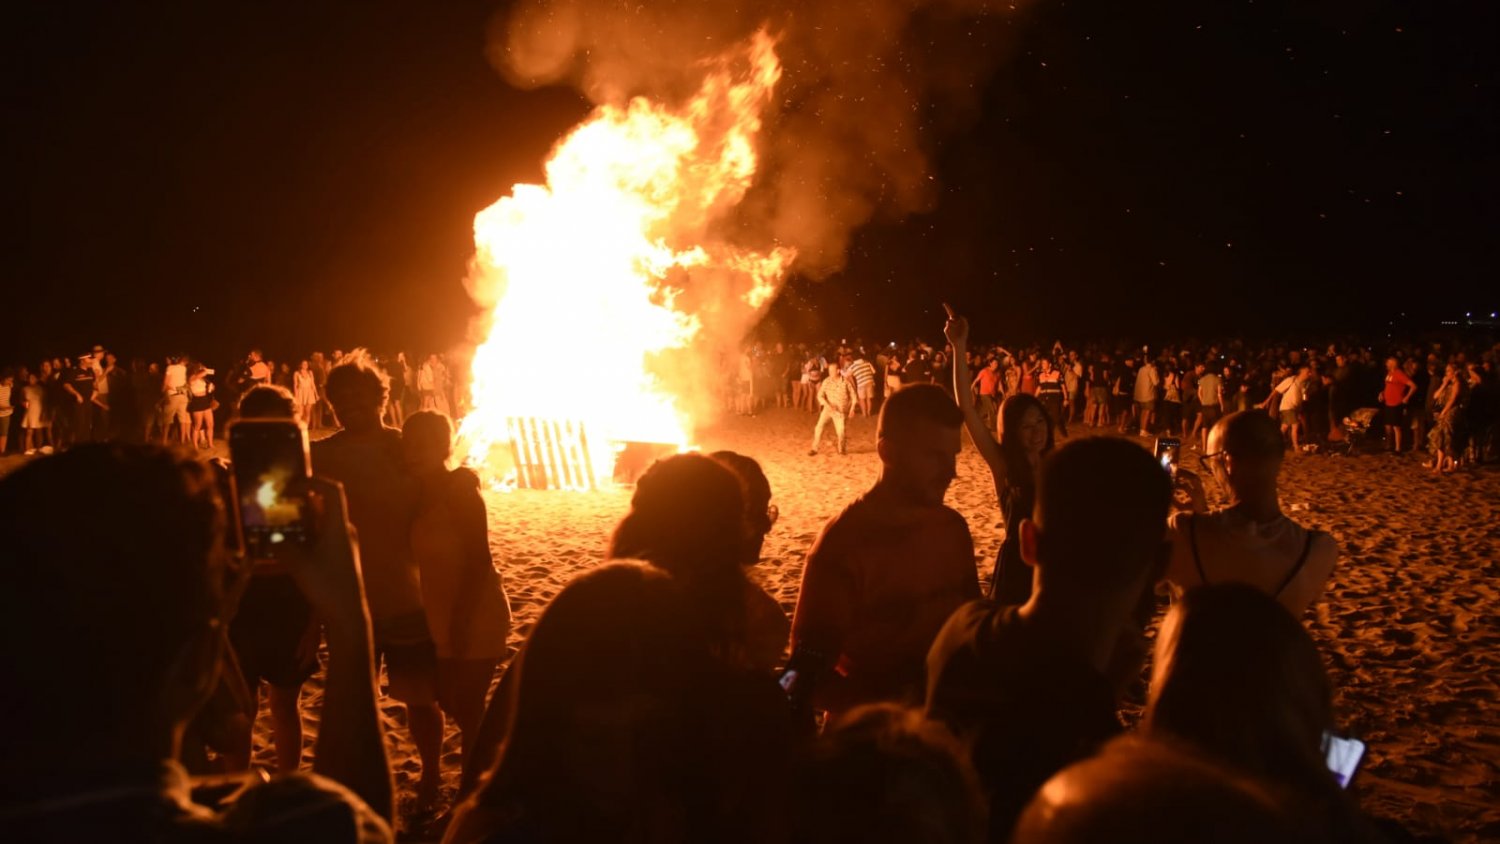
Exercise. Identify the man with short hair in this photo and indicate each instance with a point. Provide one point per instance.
(884, 574)
(1035, 687)
(1146, 382)
(1394, 397)
(987, 387)
(134, 600)
(836, 402)
(1289, 409)
(366, 457)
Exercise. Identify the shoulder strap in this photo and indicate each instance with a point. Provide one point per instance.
(1192, 520)
(1301, 561)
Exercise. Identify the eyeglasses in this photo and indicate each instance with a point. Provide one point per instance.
(1206, 461)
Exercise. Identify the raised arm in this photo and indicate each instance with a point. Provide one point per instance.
(957, 332)
(351, 745)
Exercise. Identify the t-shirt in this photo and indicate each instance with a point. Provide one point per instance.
(6, 407)
(175, 378)
(1208, 389)
(382, 505)
(157, 806)
(1145, 384)
(862, 373)
(1291, 393)
(1029, 708)
(989, 381)
(879, 583)
(82, 380)
(1396, 383)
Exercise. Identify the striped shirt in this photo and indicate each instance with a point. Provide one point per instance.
(862, 373)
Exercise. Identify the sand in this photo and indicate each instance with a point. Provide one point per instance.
(1407, 627)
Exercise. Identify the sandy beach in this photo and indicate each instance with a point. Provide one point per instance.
(1407, 627)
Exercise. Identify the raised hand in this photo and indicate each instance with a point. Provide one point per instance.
(956, 329)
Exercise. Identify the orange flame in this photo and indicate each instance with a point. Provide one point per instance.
(584, 325)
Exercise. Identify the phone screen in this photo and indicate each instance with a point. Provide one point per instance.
(1168, 450)
(1343, 756)
(267, 456)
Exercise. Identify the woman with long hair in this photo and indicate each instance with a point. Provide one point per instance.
(305, 389)
(687, 517)
(1237, 677)
(623, 726)
(1013, 460)
(1049, 389)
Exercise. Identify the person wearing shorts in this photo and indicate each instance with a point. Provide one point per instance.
(275, 639)
(1398, 390)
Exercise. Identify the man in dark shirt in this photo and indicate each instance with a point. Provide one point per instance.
(133, 602)
(886, 573)
(78, 381)
(1035, 687)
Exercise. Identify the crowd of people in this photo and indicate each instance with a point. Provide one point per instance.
(1440, 399)
(664, 696)
(61, 402)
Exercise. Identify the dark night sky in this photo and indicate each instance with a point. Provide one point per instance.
(205, 176)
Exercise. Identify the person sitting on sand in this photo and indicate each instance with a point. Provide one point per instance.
(140, 592)
(883, 773)
(884, 574)
(1239, 679)
(625, 726)
(366, 457)
(1035, 688)
(1025, 438)
(467, 609)
(1250, 541)
(1151, 792)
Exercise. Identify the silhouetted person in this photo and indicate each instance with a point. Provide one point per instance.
(367, 458)
(467, 609)
(1144, 792)
(884, 773)
(886, 573)
(133, 602)
(1238, 678)
(1035, 687)
(626, 727)
(766, 624)
(274, 634)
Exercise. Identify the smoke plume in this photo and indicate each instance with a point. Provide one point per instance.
(868, 88)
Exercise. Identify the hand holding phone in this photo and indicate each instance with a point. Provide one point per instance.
(1342, 756)
(1168, 450)
(270, 466)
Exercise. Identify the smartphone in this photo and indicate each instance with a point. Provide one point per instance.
(1167, 451)
(1342, 756)
(268, 458)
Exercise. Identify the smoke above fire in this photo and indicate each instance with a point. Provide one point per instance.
(868, 88)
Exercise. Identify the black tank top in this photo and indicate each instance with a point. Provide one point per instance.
(1285, 581)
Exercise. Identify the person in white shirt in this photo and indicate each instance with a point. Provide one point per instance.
(836, 399)
(1146, 381)
(174, 403)
(1289, 408)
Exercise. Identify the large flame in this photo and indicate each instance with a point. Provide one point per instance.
(601, 281)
